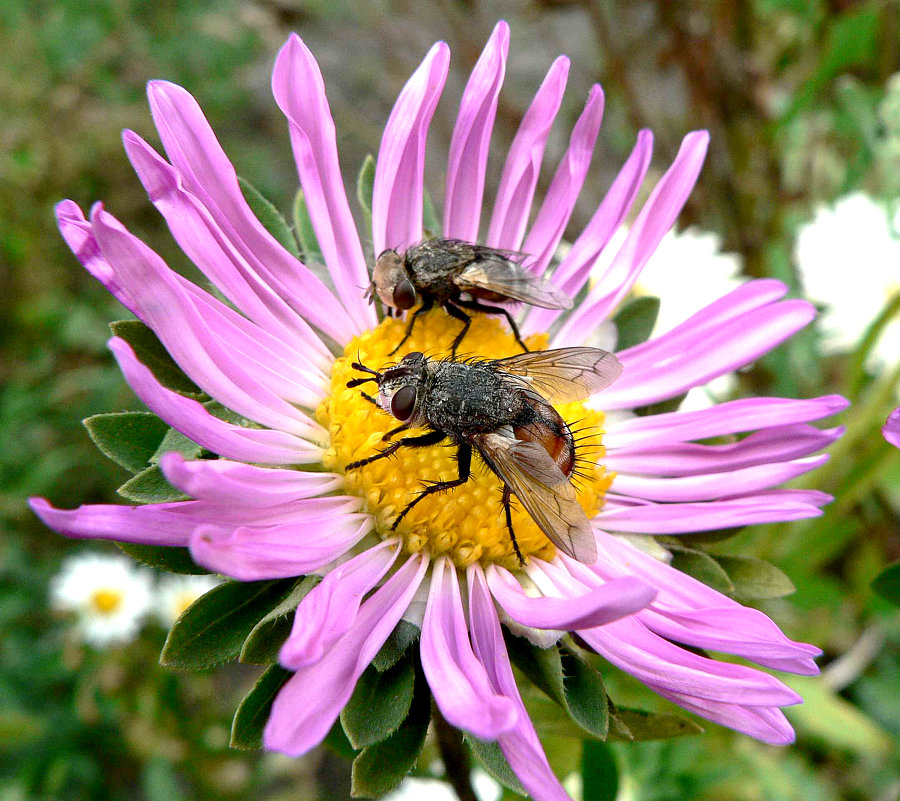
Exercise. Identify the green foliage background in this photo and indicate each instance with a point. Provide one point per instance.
(794, 95)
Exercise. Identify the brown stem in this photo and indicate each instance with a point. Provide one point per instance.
(455, 756)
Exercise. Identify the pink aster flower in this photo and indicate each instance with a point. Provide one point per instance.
(276, 351)
(891, 428)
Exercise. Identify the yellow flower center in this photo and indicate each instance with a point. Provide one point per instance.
(106, 601)
(467, 523)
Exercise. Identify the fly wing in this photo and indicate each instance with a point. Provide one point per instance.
(545, 492)
(564, 374)
(500, 271)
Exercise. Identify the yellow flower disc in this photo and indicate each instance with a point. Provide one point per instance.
(466, 523)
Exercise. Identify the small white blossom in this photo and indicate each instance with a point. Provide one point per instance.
(108, 595)
(176, 593)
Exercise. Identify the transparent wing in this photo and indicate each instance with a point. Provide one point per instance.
(564, 374)
(545, 492)
(499, 271)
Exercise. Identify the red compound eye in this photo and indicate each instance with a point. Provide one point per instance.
(403, 403)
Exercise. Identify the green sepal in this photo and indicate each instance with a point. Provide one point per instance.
(379, 704)
(152, 354)
(887, 583)
(494, 763)
(253, 712)
(162, 557)
(380, 767)
(365, 188)
(337, 741)
(150, 486)
(266, 638)
(642, 725)
(599, 772)
(176, 442)
(635, 321)
(271, 219)
(541, 666)
(212, 630)
(403, 635)
(128, 438)
(701, 566)
(306, 234)
(754, 578)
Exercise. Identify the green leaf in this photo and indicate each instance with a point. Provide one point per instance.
(365, 185)
(635, 321)
(150, 486)
(162, 557)
(213, 629)
(379, 704)
(265, 640)
(176, 442)
(383, 765)
(702, 567)
(755, 578)
(271, 219)
(643, 725)
(253, 712)
(128, 438)
(599, 772)
(151, 353)
(887, 583)
(403, 635)
(306, 234)
(492, 760)
(586, 700)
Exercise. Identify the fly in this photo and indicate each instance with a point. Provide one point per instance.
(502, 410)
(443, 271)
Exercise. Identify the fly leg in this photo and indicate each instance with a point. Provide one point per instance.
(454, 311)
(423, 441)
(476, 306)
(463, 461)
(509, 527)
(427, 303)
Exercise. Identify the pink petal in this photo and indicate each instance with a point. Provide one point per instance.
(598, 606)
(400, 168)
(328, 612)
(300, 93)
(457, 679)
(891, 429)
(656, 218)
(575, 268)
(472, 138)
(309, 704)
(227, 482)
(523, 161)
(196, 154)
(195, 422)
(553, 216)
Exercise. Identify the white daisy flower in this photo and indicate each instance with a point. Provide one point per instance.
(175, 593)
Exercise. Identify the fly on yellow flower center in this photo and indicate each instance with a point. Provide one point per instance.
(106, 601)
(467, 523)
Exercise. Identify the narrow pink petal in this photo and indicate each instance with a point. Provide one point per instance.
(891, 429)
(761, 447)
(204, 242)
(328, 612)
(553, 216)
(224, 481)
(655, 219)
(190, 339)
(300, 93)
(195, 152)
(597, 607)
(153, 524)
(252, 553)
(471, 139)
(523, 161)
(310, 702)
(727, 418)
(195, 422)
(684, 518)
(400, 169)
(457, 679)
(575, 268)
(521, 745)
(715, 485)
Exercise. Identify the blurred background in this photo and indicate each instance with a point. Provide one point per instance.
(802, 180)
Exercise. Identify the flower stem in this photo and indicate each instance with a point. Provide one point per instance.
(455, 756)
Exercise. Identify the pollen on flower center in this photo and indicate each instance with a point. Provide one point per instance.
(466, 523)
(106, 601)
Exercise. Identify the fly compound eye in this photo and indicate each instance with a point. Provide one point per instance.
(404, 295)
(403, 403)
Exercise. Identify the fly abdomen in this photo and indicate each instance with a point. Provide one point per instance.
(550, 431)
